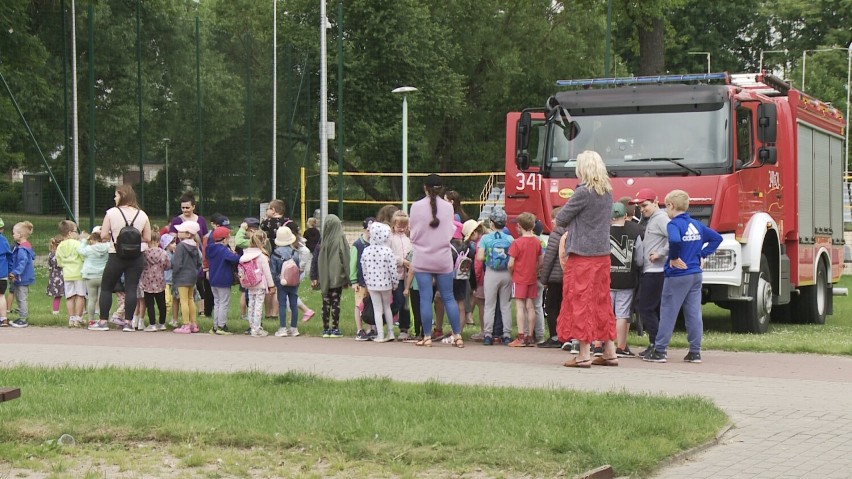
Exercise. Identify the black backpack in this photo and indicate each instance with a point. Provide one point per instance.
(128, 243)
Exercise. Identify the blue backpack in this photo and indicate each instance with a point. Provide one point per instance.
(497, 252)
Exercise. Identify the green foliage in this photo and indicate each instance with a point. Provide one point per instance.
(472, 62)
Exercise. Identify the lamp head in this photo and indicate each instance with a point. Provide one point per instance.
(404, 89)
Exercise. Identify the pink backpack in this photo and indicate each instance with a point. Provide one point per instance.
(250, 273)
(289, 273)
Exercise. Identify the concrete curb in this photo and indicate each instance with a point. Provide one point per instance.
(694, 451)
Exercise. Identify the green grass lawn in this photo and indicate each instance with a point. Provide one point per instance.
(355, 428)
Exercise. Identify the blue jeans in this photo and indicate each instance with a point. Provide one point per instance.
(677, 291)
(444, 282)
(285, 294)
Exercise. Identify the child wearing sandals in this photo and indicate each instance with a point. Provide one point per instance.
(153, 283)
(55, 285)
(185, 265)
(378, 263)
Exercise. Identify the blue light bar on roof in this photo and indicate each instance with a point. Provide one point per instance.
(644, 80)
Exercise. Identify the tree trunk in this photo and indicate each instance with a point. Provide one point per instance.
(652, 48)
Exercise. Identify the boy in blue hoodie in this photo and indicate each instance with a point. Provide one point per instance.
(5, 263)
(690, 242)
(22, 273)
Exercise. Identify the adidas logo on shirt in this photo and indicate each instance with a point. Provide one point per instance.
(692, 233)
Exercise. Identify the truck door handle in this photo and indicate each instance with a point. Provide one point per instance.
(519, 195)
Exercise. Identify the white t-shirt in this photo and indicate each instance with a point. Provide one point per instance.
(116, 222)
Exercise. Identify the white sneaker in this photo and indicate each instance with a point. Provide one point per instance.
(128, 329)
(380, 339)
(259, 333)
(282, 333)
(161, 327)
(151, 329)
(294, 332)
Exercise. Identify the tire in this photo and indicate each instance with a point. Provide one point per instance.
(754, 316)
(813, 300)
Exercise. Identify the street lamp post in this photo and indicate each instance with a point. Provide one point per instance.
(760, 65)
(404, 90)
(702, 53)
(166, 141)
(805, 58)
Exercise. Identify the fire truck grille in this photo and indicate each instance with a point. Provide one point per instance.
(702, 213)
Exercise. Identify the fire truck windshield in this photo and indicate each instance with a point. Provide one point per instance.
(687, 142)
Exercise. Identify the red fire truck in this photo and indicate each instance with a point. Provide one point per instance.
(762, 163)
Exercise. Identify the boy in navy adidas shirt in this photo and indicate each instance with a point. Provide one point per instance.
(689, 243)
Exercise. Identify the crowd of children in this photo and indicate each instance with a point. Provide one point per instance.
(656, 260)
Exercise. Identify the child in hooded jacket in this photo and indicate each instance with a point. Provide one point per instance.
(153, 283)
(186, 263)
(22, 272)
(331, 273)
(220, 263)
(380, 275)
(95, 253)
(71, 263)
(256, 294)
(5, 263)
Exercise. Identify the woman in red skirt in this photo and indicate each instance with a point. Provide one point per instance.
(586, 312)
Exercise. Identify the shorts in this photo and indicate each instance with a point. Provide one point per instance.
(460, 289)
(622, 303)
(75, 288)
(479, 292)
(524, 291)
(4, 283)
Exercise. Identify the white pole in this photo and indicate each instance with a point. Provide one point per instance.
(848, 86)
(323, 117)
(74, 128)
(404, 153)
(804, 59)
(274, 98)
(405, 90)
(166, 140)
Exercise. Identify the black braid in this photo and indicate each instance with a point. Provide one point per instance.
(433, 194)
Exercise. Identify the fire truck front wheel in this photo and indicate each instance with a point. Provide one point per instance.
(753, 316)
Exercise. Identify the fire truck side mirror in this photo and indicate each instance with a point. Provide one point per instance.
(767, 155)
(522, 141)
(767, 118)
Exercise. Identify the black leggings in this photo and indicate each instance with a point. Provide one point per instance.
(552, 303)
(206, 292)
(160, 299)
(115, 267)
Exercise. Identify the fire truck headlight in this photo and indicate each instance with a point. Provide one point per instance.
(721, 260)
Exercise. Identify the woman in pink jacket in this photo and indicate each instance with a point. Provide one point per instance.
(431, 225)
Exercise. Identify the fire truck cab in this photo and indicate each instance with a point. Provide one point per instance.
(762, 163)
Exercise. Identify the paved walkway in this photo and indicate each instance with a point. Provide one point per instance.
(792, 413)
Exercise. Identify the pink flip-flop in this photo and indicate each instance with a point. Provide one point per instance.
(308, 315)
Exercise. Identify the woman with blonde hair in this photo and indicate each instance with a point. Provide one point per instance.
(586, 312)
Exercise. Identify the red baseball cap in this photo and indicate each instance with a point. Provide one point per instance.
(645, 194)
(221, 233)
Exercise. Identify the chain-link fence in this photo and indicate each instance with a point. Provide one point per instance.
(165, 102)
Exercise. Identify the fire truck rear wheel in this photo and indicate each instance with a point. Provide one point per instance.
(753, 316)
(813, 301)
